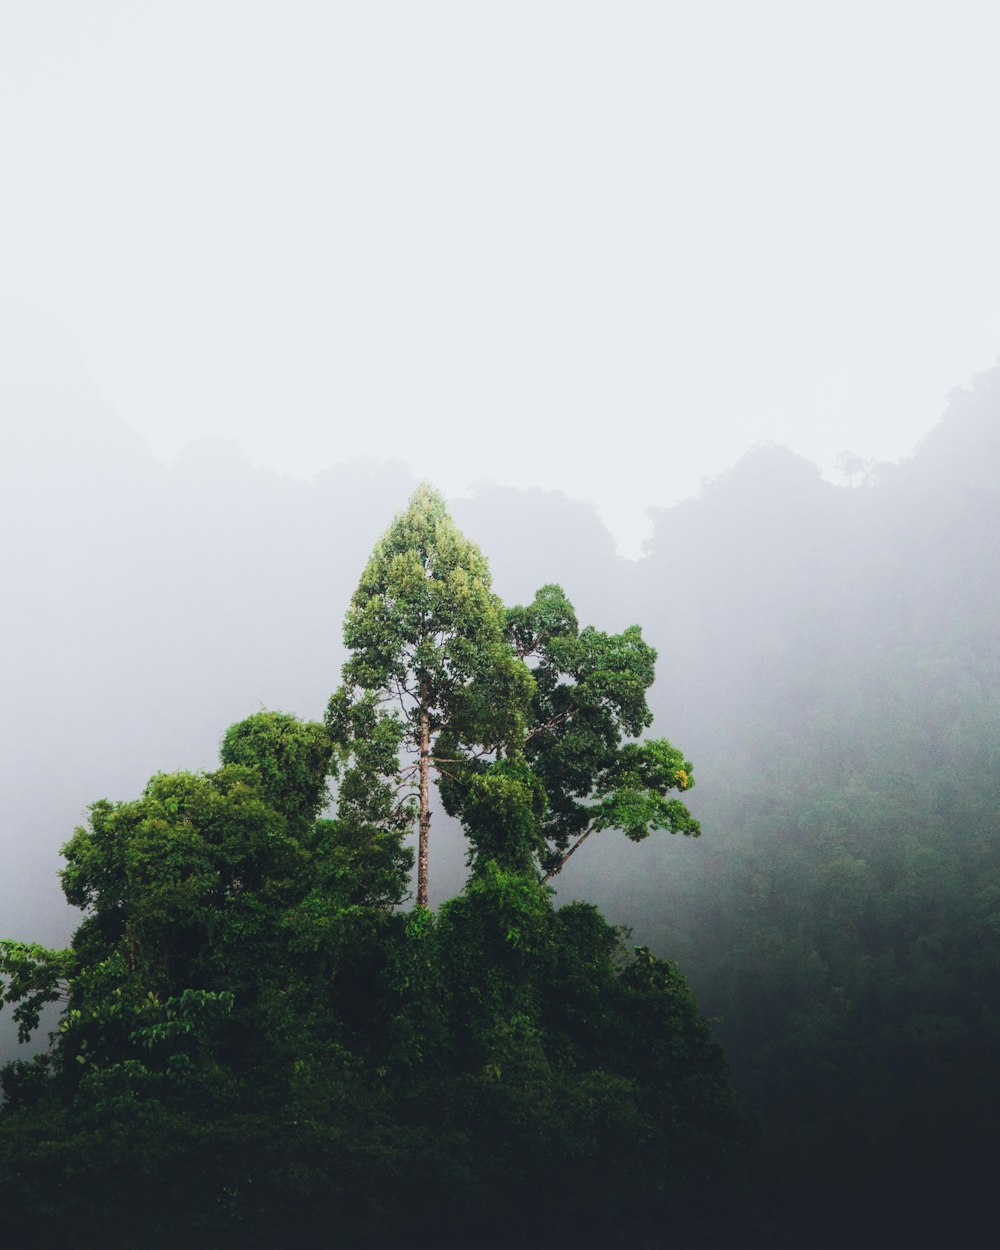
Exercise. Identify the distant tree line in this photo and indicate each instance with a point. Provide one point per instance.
(828, 657)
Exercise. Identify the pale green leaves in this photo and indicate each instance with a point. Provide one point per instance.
(525, 716)
(423, 621)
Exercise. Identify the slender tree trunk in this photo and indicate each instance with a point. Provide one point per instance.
(425, 808)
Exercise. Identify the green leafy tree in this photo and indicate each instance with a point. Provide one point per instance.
(256, 1046)
(218, 883)
(528, 721)
(575, 1072)
(426, 633)
(576, 770)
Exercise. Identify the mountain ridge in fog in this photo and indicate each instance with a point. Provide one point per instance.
(151, 605)
(827, 658)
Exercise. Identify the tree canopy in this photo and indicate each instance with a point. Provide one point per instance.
(425, 632)
(527, 720)
(257, 1045)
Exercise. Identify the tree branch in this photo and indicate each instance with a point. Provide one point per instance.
(551, 724)
(560, 864)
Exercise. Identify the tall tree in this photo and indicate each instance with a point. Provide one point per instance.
(429, 654)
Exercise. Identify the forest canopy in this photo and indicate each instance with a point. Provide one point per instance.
(827, 656)
(259, 1043)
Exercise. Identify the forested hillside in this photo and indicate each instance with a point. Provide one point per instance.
(834, 669)
(827, 657)
(258, 1047)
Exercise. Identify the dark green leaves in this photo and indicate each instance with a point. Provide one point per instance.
(591, 696)
(292, 759)
(34, 977)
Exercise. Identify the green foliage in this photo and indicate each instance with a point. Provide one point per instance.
(840, 678)
(425, 632)
(34, 977)
(423, 607)
(343, 1066)
(543, 1047)
(524, 716)
(157, 875)
(256, 1059)
(848, 949)
(367, 740)
(257, 1047)
(590, 694)
(424, 627)
(589, 697)
(503, 812)
(292, 759)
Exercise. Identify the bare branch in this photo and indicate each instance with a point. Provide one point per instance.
(562, 862)
(444, 772)
(551, 724)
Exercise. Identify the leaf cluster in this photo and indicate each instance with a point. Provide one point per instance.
(574, 771)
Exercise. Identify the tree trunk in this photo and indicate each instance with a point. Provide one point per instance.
(425, 808)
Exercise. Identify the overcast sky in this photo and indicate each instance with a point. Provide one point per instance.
(598, 247)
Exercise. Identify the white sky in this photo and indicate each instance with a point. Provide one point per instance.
(598, 247)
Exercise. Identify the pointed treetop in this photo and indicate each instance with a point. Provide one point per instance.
(423, 604)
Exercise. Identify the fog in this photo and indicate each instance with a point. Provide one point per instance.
(624, 286)
(827, 657)
(148, 607)
(550, 245)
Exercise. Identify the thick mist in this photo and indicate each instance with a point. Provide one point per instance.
(622, 244)
(602, 256)
(827, 658)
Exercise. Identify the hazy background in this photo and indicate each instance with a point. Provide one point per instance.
(263, 267)
(601, 248)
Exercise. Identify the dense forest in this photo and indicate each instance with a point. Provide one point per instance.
(258, 1047)
(827, 658)
(838, 685)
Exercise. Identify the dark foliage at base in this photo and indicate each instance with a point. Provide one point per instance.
(257, 1048)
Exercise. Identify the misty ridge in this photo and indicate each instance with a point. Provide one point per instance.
(828, 658)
